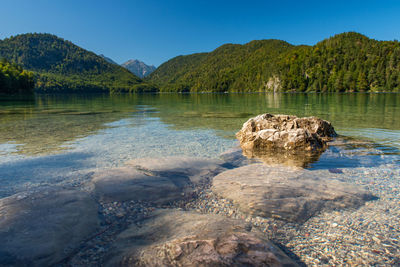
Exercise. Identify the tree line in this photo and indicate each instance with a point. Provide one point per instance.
(348, 62)
(14, 79)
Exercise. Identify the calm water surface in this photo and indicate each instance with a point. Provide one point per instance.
(46, 140)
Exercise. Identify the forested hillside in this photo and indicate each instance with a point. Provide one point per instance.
(62, 66)
(14, 79)
(345, 62)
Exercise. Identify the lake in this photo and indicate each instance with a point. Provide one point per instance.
(66, 181)
(48, 139)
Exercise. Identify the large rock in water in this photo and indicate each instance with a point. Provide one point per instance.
(287, 139)
(285, 132)
(178, 238)
(286, 193)
(156, 180)
(42, 229)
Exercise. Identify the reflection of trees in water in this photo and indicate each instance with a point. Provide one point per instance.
(342, 152)
(228, 112)
(44, 124)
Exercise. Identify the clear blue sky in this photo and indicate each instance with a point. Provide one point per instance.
(155, 30)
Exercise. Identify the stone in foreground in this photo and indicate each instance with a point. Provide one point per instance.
(159, 181)
(286, 193)
(178, 238)
(286, 132)
(42, 229)
(128, 183)
(193, 170)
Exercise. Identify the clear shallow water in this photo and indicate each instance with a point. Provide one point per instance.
(46, 140)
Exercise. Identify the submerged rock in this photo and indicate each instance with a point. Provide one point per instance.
(44, 228)
(128, 183)
(196, 170)
(178, 238)
(286, 193)
(159, 181)
(283, 138)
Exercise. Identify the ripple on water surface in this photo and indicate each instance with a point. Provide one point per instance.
(54, 139)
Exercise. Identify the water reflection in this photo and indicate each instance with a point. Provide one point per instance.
(343, 110)
(283, 157)
(341, 152)
(47, 124)
(50, 122)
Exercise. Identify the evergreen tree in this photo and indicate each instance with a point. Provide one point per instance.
(362, 84)
(344, 62)
(60, 65)
(14, 79)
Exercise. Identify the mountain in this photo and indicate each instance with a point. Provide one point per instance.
(60, 65)
(109, 60)
(138, 67)
(345, 62)
(231, 67)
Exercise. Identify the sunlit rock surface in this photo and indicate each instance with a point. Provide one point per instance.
(284, 139)
(285, 131)
(296, 158)
(44, 228)
(179, 238)
(291, 194)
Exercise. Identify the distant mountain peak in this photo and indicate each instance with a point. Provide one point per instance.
(139, 68)
(60, 65)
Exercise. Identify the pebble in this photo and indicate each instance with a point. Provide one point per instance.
(368, 236)
(342, 237)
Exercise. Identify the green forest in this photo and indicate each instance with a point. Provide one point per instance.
(347, 62)
(60, 65)
(14, 79)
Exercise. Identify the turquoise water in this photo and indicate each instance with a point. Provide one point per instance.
(47, 140)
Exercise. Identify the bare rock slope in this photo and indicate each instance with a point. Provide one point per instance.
(138, 67)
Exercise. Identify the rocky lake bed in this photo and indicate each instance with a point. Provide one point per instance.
(232, 210)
